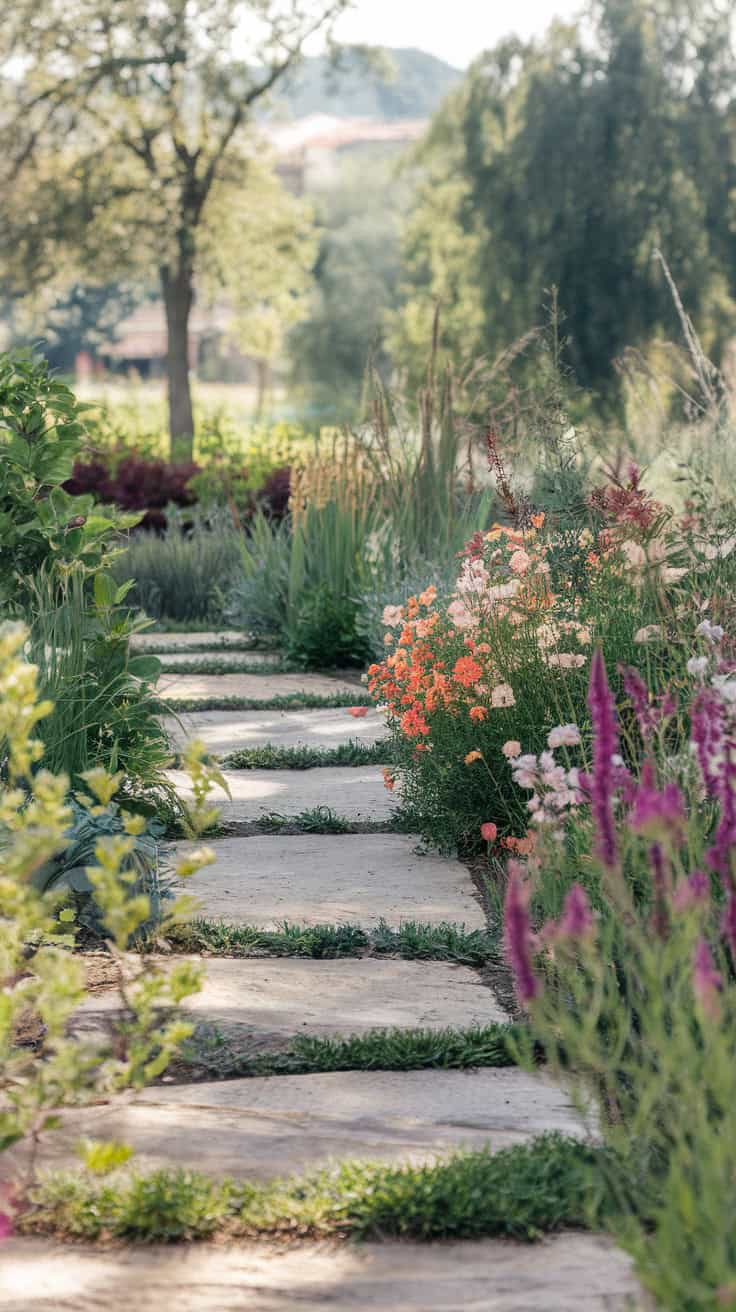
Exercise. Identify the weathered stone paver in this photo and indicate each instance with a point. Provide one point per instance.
(228, 731)
(184, 641)
(266, 1128)
(355, 793)
(223, 658)
(267, 999)
(569, 1273)
(318, 879)
(260, 687)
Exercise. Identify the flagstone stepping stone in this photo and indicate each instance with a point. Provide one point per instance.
(222, 658)
(318, 879)
(355, 793)
(281, 1125)
(567, 1273)
(228, 731)
(267, 1000)
(261, 687)
(181, 641)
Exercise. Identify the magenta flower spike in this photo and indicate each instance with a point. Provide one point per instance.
(707, 733)
(601, 783)
(638, 694)
(518, 937)
(707, 981)
(577, 919)
(728, 923)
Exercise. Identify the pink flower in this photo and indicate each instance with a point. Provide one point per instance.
(357, 712)
(657, 813)
(707, 981)
(511, 749)
(488, 832)
(576, 920)
(564, 735)
(520, 561)
(392, 615)
(605, 748)
(518, 936)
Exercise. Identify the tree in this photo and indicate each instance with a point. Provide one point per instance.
(129, 118)
(573, 157)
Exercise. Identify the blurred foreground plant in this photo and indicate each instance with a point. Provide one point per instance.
(44, 1063)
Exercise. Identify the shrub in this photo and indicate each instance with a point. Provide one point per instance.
(327, 631)
(184, 575)
(136, 483)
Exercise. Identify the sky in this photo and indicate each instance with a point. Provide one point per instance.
(455, 30)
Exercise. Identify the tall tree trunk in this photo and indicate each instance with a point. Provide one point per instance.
(178, 293)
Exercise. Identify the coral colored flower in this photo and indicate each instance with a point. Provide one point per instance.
(478, 713)
(488, 832)
(466, 671)
(388, 780)
(392, 616)
(511, 749)
(538, 519)
(518, 936)
(357, 712)
(473, 756)
(428, 596)
(502, 695)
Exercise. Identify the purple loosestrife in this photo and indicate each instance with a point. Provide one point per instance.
(658, 813)
(518, 935)
(577, 919)
(638, 694)
(601, 784)
(728, 923)
(707, 733)
(707, 981)
(691, 891)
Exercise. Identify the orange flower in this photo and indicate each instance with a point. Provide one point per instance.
(473, 756)
(478, 713)
(466, 671)
(413, 723)
(538, 519)
(428, 596)
(388, 780)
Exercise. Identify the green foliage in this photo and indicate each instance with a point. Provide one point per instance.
(307, 758)
(413, 941)
(520, 1192)
(40, 524)
(183, 575)
(327, 631)
(292, 701)
(44, 1066)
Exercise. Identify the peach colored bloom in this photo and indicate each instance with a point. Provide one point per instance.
(473, 756)
(388, 780)
(511, 749)
(503, 695)
(478, 713)
(520, 561)
(650, 633)
(428, 596)
(392, 616)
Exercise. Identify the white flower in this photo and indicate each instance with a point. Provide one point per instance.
(697, 666)
(711, 632)
(503, 695)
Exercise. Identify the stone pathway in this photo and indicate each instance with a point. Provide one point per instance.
(190, 643)
(258, 1128)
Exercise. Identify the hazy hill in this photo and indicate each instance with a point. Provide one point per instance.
(413, 89)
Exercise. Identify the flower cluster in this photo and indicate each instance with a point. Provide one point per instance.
(555, 789)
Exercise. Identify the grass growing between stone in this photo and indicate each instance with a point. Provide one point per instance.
(412, 940)
(202, 666)
(521, 1192)
(308, 758)
(292, 701)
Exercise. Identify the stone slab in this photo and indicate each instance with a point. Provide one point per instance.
(319, 879)
(355, 793)
(267, 999)
(266, 1128)
(181, 641)
(222, 657)
(260, 687)
(229, 731)
(568, 1273)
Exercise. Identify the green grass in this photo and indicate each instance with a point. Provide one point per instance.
(221, 667)
(307, 758)
(292, 701)
(480, 1046)
(314, 820)
(411, 940)
(521, 1193)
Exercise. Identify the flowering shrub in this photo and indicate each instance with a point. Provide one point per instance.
(632, 984)
(505, 657)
